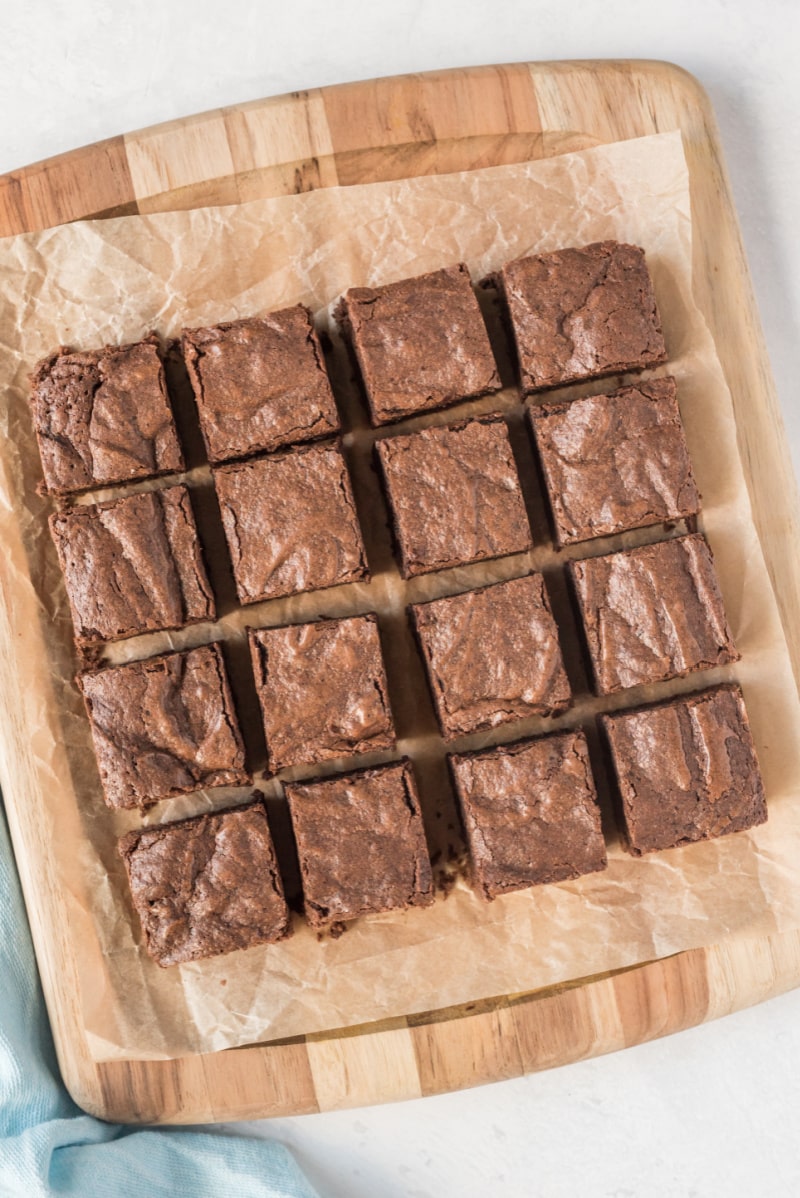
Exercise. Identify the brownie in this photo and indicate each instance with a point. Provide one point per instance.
(581, 314)
(132, 565)
(615, 462)
(322, 689)
(103, 416)
(492, 655)
(259, 383)
(652, 613)
(164, 727)
(530, 813)
(454, 495)
(290, 523)
(206, 886)
(361, 844)
(685, 770)
(420, 343)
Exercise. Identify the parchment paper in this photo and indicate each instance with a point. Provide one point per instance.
(94, 282)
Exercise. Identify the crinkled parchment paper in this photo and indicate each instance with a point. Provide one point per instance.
(94, 282)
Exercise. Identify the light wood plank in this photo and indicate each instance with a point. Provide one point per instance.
(355, 1070)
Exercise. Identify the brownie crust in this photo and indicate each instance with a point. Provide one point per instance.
(420, 343)
(653, 613)
(615, 462)
(259, 384)
(322, 689)
(132, 565)
(206, 886)
(582, 313)
(530, 813)
(454, 495)
(361, 844)
(290, 523)
(164, 727)
(492, 656)
(103, 416)
(686, 770)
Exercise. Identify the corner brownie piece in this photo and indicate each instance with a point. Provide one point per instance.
(132, 565)
(615, 462)
(290, 523)
(103, 416)
(206, 886)
(164, 727)
(361, 844)
(530, 813)
(652, 613)
(420, 343)
(492, 656)
(454, 495)
(259, 383)
(582, 313)
(322, 690)
(685, 770)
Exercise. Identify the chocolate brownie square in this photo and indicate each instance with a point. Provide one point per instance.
(652, 613)
(103, 416)
(290, 522)
(530, 813)
(132, 565)
(685, 770)
(361, 844)
(492, 656)
(582, 313)
(164, 727)
(615, 462)
(206, 886)
(454, 495)
(322, 689)
(420, 343)
(259, 384)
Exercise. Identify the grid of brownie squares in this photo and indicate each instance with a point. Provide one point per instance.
(466, 468)
(683, 769)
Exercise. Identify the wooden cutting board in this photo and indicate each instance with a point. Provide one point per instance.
(389, 129)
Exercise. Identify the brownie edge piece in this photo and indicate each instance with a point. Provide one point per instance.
(652, 613)
(207, 885)
(582, 313)
(103, 416)
(454, 495)
(361, 844)
(259, 384)
(164, 727)
(615, 462)
(290, 523)
(685, 770)
(420, 343)
(132, 565)
(530, 813)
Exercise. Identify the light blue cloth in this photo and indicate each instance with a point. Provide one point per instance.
(48, 1147)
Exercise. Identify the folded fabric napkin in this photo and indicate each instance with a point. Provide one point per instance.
(47, 1146)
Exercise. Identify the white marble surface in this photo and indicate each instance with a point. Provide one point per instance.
(716, 1110)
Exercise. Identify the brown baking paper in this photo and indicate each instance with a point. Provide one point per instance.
(95, 282)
